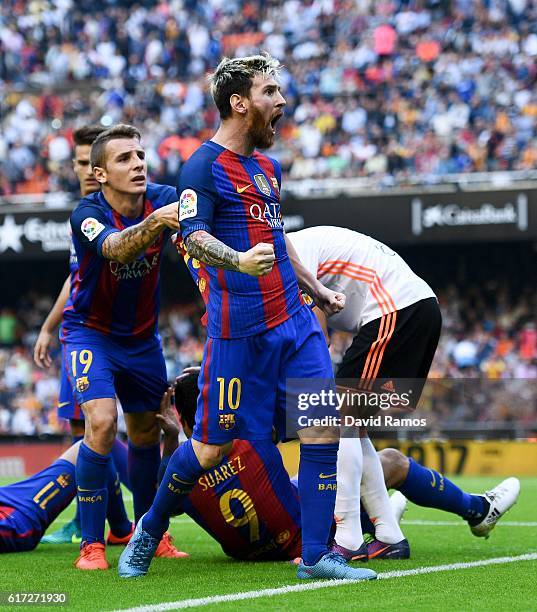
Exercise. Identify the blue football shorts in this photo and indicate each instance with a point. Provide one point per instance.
(99, 366)
(242, 381)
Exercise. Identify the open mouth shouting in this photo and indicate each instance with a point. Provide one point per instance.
(275, 120)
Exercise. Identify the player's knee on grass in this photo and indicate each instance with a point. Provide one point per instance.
(210, 455)
(395, 467)
(143, 428)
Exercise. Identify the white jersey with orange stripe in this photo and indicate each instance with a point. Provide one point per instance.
(373, 277)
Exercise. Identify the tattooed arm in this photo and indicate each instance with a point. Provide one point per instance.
(127, 245)
(257, 261)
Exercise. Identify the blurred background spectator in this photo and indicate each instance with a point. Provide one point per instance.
(488, 335)
(396, 90)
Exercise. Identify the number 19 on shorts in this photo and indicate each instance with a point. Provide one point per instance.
(84, 357)
(229, 393)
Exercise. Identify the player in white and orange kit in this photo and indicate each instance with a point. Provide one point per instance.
(396, 322)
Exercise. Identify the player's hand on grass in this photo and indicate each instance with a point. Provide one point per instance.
(167, 415)
(258, 260)
(329, 301)
(41, 349)
(168, 215)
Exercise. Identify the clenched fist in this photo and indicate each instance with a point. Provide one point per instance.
(168, 216)
(258, 260)
(329, 301)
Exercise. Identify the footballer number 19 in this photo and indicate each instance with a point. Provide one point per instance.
(85, 357)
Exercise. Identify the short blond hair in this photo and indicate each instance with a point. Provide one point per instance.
(234, 76)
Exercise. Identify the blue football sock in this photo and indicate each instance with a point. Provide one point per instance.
(120, 457)
(317, 490)
(92, 492)
(77, 513)
(426, 487)
(144, 462)
(180, 477)
(119, 522)
(163, 467)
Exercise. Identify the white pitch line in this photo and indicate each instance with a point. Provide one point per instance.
(463, 523)
(326, 584)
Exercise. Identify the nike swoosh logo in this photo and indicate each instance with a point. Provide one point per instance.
(177, 479)
(378, 552)
(321, 475)
(242, 189)
(433, 481)
(85, 490)
(63, 404)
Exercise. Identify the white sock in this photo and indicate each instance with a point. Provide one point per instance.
(375, 498)
(347, 510)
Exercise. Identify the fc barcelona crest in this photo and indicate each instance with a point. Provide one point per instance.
(64, 479)
(226, 421)
(308, 300)
(262, 183)
(82, 384)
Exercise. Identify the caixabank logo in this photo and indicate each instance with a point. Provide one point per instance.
(456, 214)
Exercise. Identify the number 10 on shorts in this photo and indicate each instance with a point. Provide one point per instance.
(233, 394)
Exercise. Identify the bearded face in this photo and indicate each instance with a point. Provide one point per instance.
(265, 108)
(260, 130)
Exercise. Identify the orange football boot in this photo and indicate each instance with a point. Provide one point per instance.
(167, 550)
(92, 557)
(113, 540)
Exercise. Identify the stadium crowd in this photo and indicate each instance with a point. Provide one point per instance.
(487, 335)
(394, 89)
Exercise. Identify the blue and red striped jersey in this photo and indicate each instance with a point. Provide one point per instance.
(236, 199)
(73, 261)
(116, 299)
(42, 495)
(248, 504)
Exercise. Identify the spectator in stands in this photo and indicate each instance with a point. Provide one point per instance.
(393, 91)
(488, 335)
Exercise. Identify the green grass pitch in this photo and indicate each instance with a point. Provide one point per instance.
(208, 572)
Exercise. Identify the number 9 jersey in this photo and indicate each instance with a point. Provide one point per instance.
(248, 504)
